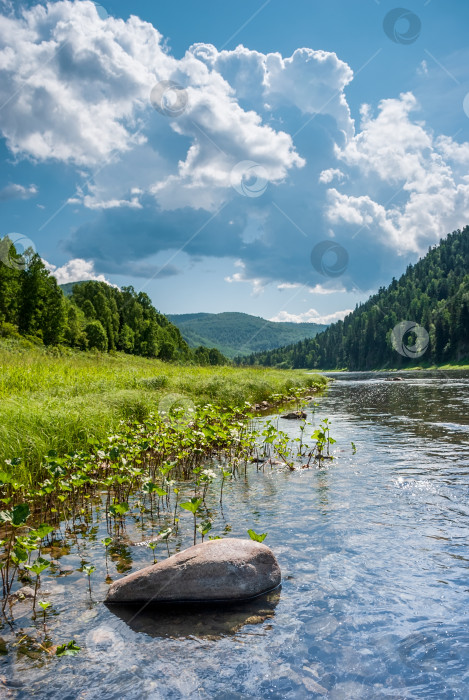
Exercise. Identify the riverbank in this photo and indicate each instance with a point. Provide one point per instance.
(59, 402)
(462, 364)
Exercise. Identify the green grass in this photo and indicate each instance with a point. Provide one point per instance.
(52, 401)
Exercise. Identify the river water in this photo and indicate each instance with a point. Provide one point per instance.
(374, 553)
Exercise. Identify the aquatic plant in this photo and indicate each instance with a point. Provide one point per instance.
(257, 538)
(88, 570)
(67, 649)
(193, 507)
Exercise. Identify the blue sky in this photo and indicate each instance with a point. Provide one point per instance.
(285, 160)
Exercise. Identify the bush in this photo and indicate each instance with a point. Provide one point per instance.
(97, 338)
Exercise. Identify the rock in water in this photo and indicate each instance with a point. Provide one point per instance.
(295, 415)
(227, 569)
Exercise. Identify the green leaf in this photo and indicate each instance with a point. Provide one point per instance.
(192, 505)
(44, 604)
(107, 541)
(39, 566)
(203, 528)
(21, 553)
(43, 530)
(17, 516)
(257, 538)
(119, 508)
(164, 534)
(69, 649)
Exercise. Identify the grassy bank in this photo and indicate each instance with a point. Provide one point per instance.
(462, 364)
(59, 402)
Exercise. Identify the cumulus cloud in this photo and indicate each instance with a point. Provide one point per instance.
(14, 191)
(327, 176)
(426, 176)
(77, 270)
(311, 316)
(75, 88)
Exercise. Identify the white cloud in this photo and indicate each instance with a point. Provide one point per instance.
(76, 88)
(257, 284)
(76, 270)
(14, 191)
(317, 289)
(71, 83)
(288, 285)
(311, 316)
(320, 289)
(430, 187)
(326, 176)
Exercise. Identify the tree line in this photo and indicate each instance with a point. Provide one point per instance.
(95, 315)
(433, 293)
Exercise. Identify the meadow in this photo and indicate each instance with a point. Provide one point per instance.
(61, 399)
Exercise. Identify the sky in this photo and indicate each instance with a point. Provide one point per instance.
(281, 159)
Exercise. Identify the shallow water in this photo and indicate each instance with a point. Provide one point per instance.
(374, 553)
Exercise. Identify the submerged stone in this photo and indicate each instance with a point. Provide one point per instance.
(227, 569)
(295, 415)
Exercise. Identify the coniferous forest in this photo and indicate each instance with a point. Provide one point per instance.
(95, 315)
(434, 293)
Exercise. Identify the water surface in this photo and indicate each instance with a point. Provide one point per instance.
(374, 553)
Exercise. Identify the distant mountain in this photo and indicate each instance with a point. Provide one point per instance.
(238, 334)
(421, 318)
(67, 288)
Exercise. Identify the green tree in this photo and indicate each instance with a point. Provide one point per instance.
(96, 336)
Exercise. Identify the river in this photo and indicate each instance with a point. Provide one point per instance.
(374, 553)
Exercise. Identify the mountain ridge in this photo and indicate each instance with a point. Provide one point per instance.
(237, 333)
(423, 317)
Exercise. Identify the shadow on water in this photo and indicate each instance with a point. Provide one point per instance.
(198, 620)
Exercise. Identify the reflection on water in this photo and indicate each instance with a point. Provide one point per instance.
(374, 553)
(196, 620)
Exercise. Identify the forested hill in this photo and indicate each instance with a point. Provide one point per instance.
(433, 293)
(240, 334)
(92, 315)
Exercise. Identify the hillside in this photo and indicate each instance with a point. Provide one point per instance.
(86, 315)
(240, 334)
(433, 293)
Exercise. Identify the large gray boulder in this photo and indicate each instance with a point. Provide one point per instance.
(227, 569)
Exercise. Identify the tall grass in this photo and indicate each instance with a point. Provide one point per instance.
(59, 401)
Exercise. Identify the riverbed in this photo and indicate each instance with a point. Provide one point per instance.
(374, 553)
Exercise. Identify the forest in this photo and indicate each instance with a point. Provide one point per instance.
(235, 333)
(91, 316)
(433, 293)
